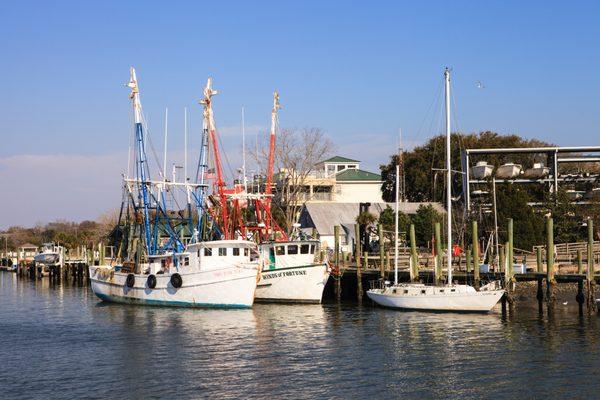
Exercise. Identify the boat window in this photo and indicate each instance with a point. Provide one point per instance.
(207, 251)
(236, 251)
(198, 252)
(393, 290)
(312, 249)
(304, 249)
(246, 252)
(423, 291)
(222, 251)
(441, 290)
(280, 250)
(186, 261)
(453, 290)
(405, 291)
(293, 249)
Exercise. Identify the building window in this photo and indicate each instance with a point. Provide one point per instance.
(304, 249)
(222, 251)
(292, 249)
(236, 251)
(207, 251)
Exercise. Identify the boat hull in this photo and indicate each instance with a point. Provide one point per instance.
(481, 171)
(231, 287)
(482, 301)
(298, 284)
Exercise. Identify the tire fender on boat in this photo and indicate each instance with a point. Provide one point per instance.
(151, 281)
(130, 281)
(176, 280)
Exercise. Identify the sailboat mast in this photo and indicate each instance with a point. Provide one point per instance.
(448, 176)
(396, 225)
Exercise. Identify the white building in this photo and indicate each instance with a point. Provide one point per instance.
(341, 180)
(323, 216)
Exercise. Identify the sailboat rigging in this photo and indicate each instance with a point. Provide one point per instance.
(439, 297)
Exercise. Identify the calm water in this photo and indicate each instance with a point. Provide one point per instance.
(60, 342)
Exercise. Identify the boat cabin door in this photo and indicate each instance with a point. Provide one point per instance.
(272, 257)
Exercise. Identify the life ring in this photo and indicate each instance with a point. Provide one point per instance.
(176, 280)
(130, 281)
(151, 281)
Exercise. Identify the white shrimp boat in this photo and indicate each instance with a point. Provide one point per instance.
(220, 274)
(449, 297)
(291, 273)
(203, 273)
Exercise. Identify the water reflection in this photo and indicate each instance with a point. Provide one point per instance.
(76, 346)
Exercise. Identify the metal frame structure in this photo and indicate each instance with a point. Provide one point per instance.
(553, 159)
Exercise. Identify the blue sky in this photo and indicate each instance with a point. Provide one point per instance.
(357, 70)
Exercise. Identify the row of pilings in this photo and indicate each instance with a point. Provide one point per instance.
(353, 273)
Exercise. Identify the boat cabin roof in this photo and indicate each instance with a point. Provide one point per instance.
(221, 243)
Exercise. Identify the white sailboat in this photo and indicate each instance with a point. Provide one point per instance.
(448, 297)
(217, 273)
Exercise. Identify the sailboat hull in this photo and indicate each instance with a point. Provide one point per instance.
(231, 287)
(482, 301)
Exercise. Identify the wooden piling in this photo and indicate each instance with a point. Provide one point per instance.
(357, 245)
(359, 287)
(590, 283)
(580, 262)
(502, 261)
(438, 253)
(540, 265)
(381, 252)
(336, 261)
(102, 251)
(414, 256)
(475, 243)
(468, 259)
(511, 254)
(550, 279)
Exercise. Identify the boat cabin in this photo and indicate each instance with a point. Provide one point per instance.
(289, 254)
(204, 256)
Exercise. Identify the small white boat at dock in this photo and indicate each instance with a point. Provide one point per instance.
(50, 256)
